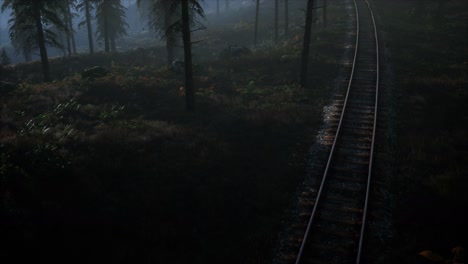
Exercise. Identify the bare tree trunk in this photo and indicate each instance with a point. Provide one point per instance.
(276, 21)
(106, 36)
(217, 7)
(189, 90)
(227, 5)
(169, 39)
(41, 44)
(70, 28)
(67, 35)
(286, 17)
(89, 26)
(257, 10)
(306, 43)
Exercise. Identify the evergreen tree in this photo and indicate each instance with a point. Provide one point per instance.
(190, 9)
(111, 25)
(87, 6)
(172, 25)
(70, 17)
(165, 19)
(29, 24)
(160, 19)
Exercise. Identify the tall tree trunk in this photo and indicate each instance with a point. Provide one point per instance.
(286, 17)
(189, 93)
(169, 40)
(325, 20)
(306, 43)
(41, 44)
(70, 28)
(276, 21)
(227, 5)
(217, 7)
(67, 35)
(257, 10)
(106, 36)
(89, 27)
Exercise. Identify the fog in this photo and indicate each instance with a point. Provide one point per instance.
(139, 34)
(324, 131)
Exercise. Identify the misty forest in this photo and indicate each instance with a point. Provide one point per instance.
(233, 131)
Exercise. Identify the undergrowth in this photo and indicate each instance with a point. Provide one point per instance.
(113, 169)
(429, 57)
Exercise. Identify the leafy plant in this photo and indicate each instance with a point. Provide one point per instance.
(112, 114)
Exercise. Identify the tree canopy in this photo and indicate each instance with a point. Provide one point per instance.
(30, 25)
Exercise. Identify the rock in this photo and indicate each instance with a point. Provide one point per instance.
(177, 66)
(235, 51)
(94, 72)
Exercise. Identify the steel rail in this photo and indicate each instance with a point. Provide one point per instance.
(374, 129)
(314, 210)
(333, 147)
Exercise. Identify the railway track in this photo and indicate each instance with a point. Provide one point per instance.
(336, 227)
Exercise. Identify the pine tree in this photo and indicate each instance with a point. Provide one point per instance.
(110, 15)
(29, 25)
(70, 17)
(165, 20)
(179, 24)
(87, 6)
(160, 19)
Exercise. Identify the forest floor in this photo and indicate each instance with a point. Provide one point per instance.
(426, 71)
(113, 169)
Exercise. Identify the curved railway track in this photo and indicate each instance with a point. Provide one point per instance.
(335, 230)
